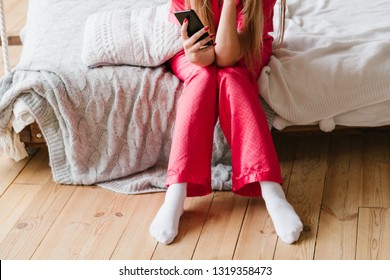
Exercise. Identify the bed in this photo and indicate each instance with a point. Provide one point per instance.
(333, 66)
(106, 111)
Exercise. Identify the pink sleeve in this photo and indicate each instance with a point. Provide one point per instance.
(240, 16)
(176, 5)
(268, 8)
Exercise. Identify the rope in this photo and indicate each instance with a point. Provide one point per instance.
(4, 39)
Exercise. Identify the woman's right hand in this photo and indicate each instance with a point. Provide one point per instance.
(198, 53)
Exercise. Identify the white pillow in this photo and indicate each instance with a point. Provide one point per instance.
(142, 37)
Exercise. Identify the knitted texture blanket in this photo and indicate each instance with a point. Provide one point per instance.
(108, 125)
(142, 37)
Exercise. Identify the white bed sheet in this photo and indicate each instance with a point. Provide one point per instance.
(370, 116)
(333, 67)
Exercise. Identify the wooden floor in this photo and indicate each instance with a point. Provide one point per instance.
(339, 185)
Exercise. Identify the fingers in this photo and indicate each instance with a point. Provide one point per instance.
(205, 42)
(198, 35)
(196, 41)
(184, 26)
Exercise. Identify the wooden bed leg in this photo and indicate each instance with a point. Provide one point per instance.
(32, 136)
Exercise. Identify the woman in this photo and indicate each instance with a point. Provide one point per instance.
(220, 81)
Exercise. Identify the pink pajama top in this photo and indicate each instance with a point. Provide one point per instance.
(268, 10)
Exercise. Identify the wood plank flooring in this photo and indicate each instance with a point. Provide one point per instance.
(339, 185)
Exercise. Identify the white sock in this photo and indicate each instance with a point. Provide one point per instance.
(165, 225)
(287, 223)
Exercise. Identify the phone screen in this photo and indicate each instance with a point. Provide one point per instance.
(194, 23)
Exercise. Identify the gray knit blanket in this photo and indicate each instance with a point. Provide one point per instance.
(110, 125)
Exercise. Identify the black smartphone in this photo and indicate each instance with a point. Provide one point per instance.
(194, 23)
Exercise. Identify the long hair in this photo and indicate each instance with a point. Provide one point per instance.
(252, 34)
(204, 11)
(253, 25)
(282, 22)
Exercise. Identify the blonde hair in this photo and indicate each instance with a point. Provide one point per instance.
(204, 11)
(253, 25)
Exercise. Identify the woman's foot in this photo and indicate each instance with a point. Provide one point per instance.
(288, 225)
(165, 225)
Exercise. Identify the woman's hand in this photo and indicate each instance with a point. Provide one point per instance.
(198, 53)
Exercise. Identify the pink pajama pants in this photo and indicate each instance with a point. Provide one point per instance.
(232, 96)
